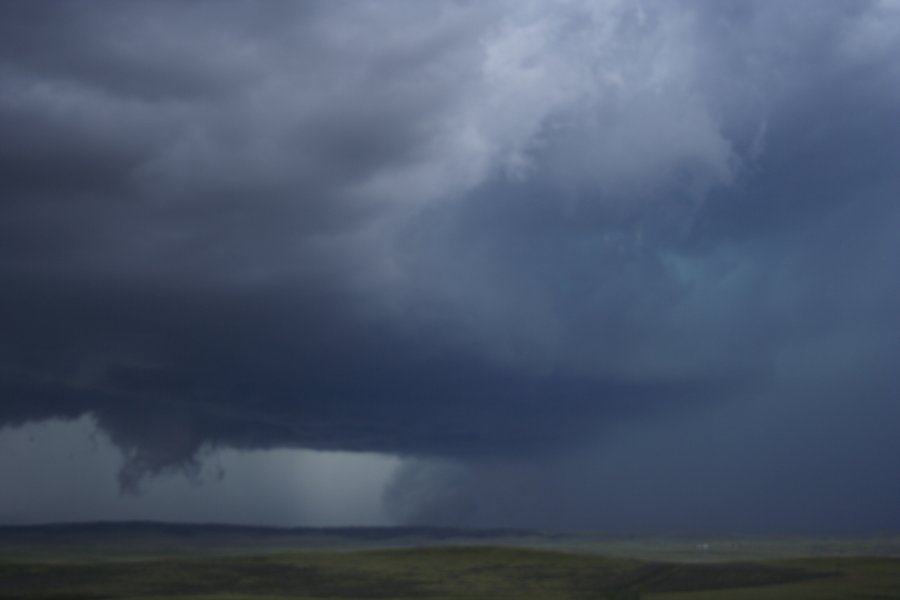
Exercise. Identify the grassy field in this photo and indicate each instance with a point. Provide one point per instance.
(195, 563)
(441, 573)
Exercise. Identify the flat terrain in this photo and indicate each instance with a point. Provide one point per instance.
(145, 561)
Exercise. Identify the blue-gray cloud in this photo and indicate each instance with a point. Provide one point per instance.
(482, 231)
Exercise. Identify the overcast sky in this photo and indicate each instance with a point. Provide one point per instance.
(629, 266)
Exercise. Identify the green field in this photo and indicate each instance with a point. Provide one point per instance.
(441, 573)
(150, 562)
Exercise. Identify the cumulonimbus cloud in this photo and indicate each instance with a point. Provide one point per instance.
(460, 229)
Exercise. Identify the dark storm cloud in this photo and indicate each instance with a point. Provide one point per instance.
(473, 230)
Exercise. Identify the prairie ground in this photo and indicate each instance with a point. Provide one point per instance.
(187, 562)
(440, 573)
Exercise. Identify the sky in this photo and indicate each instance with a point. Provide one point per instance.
(625, 266)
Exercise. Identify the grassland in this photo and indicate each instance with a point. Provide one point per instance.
(192, 567)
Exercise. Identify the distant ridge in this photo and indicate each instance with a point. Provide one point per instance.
(187, 529)
(118, 539)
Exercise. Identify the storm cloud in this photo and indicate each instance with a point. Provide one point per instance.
(495, 233)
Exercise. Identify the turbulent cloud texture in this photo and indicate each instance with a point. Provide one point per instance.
(477, 231)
